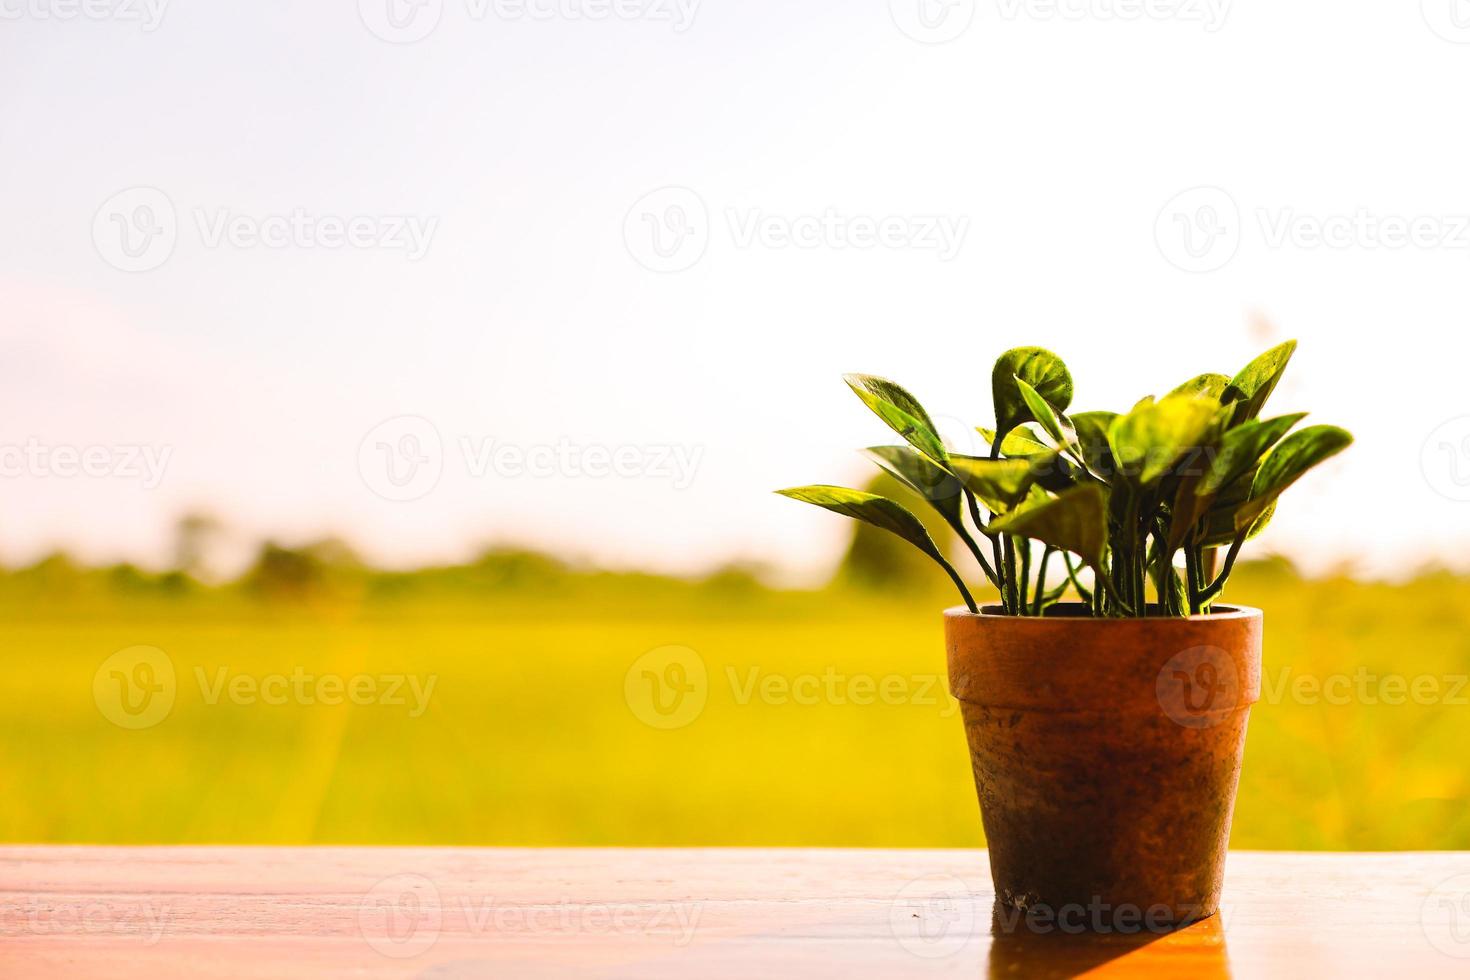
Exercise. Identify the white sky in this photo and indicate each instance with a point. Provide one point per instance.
(1051, 144)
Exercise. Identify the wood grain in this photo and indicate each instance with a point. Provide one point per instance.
(464, 912)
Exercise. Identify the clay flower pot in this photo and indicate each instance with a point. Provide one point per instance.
(1106, 753)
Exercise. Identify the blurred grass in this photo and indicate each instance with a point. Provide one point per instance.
(528, 737)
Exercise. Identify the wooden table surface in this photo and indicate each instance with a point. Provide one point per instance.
(471, 912)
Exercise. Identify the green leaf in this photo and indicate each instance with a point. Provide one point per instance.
(1253, 385)
(1092, 437)
(934, 483)
(1149, 440)
(1289, 462)
(1074, 521)
(1020, 441)
(1219, 524)
(1052, 422)
(999, 483)
(870, 509)
(881, 513)
(1207, 385)
(1241, 448)
(901, 411)
(1042, 370)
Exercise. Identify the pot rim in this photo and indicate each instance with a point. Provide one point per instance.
(994, 612)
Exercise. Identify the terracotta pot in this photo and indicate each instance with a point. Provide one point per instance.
(1106, 753)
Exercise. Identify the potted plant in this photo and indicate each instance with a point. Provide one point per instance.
(1105, 732)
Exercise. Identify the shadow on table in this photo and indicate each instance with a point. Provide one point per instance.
(1196, 951)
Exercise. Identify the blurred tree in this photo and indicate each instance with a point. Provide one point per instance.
(194, 534)
(880, 561)
(323, 567)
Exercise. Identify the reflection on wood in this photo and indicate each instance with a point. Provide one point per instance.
(611, 913)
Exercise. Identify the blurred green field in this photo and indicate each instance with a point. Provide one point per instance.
(529, 737)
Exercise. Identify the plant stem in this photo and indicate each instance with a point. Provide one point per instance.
(1036, 606)
(1025, 544)
(990, 573)
(960, 583)
(1218, 585)
(1083, 593)
(1012, 603)
(1192, 576)
(1127, 608)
